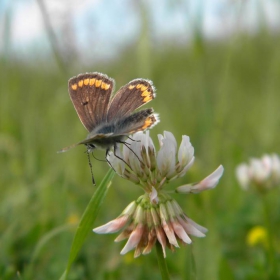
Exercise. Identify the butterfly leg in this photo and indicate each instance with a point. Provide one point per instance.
(115, 149)
(132, 140)
(107, 152)
(90, 166)
(126, 144)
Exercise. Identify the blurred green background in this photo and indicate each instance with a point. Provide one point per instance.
(221, 91)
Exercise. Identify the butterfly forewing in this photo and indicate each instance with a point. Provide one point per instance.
(90, 94)
(130, 97)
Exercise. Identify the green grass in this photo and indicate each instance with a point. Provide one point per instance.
(225, 96)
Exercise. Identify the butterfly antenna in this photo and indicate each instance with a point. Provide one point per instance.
(90, 166)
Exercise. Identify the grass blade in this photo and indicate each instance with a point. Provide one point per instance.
(87, 220)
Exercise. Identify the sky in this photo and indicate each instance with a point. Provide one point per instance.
(105, 27)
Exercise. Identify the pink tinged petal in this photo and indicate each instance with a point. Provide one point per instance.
(153, 196)
(142, 243)
(190, 229)
(161, 237)
(152, 238)
(134, 239)
(159, 231)
(243, 176)
(166, 226)
(209, 182)
(178, 229)
(199, 227)
(137, 252)
(180, 232)
(170, 234)
(189, 225)
(118, 223)
(125, 234)
(112, 226)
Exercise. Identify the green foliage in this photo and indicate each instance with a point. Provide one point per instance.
(224, 95)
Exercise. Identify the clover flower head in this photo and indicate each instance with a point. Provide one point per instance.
(261, 174)
(155, 215)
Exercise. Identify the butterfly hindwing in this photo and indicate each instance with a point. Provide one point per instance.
(130, 97)
(90, 94)
(138, 121)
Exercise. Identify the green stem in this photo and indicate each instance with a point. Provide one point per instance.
(162, 263)
(271, 252)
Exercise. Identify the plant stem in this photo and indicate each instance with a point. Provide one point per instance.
(162, 263)
(271, 252)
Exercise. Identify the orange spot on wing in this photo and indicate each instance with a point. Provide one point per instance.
(74, 86)
(145, 93)
(105, 85)
(86, 82)
(98, 83)
(147, 98)
(92, 81)
(143, 88)
(139, 86)
(81, 83)
(131, 87)
(148, 123)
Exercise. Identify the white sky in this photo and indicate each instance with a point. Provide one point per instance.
(105, 27)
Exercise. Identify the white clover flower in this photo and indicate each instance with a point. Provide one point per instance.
(261, 174)
(156, 216)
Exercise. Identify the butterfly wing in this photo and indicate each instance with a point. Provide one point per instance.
(138, 121)
(90, 94)
(130, 97)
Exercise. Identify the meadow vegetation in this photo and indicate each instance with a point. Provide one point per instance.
(223, 94)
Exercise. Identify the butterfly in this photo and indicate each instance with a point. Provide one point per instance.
(108, 118)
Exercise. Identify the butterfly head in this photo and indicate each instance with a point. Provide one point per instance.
(90, 148)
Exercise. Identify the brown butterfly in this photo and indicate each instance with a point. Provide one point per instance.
(110, 119)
